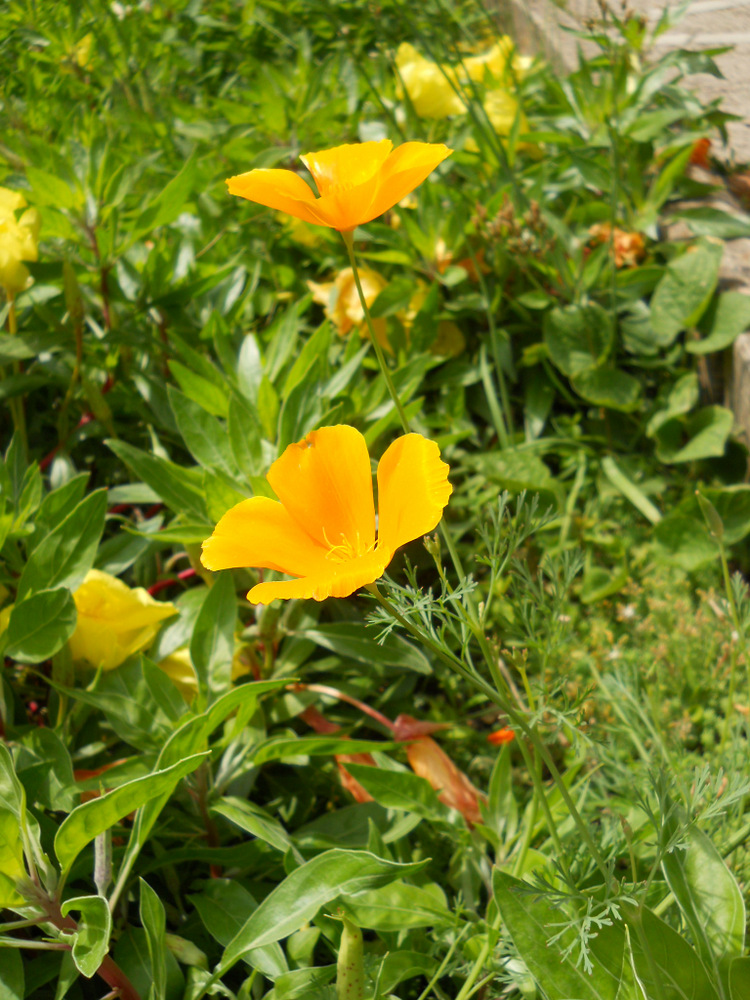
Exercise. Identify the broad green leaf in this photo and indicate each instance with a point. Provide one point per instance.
(57, 505)
(299, 897)
(534, 925)
(49, 189)
(702, 435)
(206, 439)
(44, 767)
(245, 438)
(578, 337)
(400, 790)
(91, 939)
(398, 906)
(682, 295)
(249, 368)
(168, 204)
(64, 557)
(190, 738)
(739, 979)
(201, 390)
(212, 644)
(224, 907)
(283, 747)
(11, 975)
(256, 821)
(707, 221)
(727, 317)
(665, 965)
(608, 387)
(87, 821)
(41, 625)
(686, 541)
(131, 954)
(351, 640)
(180, 489)
(707, 894)
(154, 922)
(12, 817)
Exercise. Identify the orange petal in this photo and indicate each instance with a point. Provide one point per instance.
(413, 489)
(325, 482)
(429, 760)
(280, 189)
(352, 164)
(337, 580)
(260, 532)
(405, 169)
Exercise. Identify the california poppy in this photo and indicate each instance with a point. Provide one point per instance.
(356, 183)
(323, 529)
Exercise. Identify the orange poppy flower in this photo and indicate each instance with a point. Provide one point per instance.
(323, 530)
(356, 183)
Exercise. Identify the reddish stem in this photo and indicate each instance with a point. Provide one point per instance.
(335, 693)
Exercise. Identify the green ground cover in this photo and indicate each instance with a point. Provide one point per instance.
(517, 765)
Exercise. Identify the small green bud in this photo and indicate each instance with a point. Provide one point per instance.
(350, 974)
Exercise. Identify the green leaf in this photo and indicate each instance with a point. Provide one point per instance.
(201, 390)
(707, 894)
(350, 640)
(87, 821)
(41, 625)
(727, 317)
(169, 203)
(12, 985)
(49, 189)
(578, 337)
(399, 906)
(44, 767)
(665, 965)
(91, 939)
(706, 221)
(683, 294)
(702, 435)
(608, 387)
(205, 437)
(533, 923)
(64, 557)
(299, 897)
(224, 907)
(282, 747)
(739, 979)
(181, 489)
(212, 644)
(154, 922)
(630, 490)
(685, 541)
(256, 821)
(245, 438)
(400, 790)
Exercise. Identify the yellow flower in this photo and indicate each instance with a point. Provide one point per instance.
(341, 302)
(323, 530)
(431, 89)
(114, 622)
(18, 240)
(437, 90)
(356, 183)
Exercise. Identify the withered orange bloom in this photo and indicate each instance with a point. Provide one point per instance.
(356, 183)
(323, 529)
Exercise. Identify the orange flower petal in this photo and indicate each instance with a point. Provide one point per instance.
(260, 532)
(349, 165)
(337, 580)
(405, 169)
(325, 482)
(413, 489)
(280, 189)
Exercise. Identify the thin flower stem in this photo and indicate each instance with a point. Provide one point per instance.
(467, 988)
(348, 238)
(444, 964)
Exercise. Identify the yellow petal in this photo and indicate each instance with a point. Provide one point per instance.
(280, 189)
(325, 482)
(350, 165)
(413, 489)
(260, 532)
(405, 169)
(338, 580)
(10, 201)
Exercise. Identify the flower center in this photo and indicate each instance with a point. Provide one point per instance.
(346, 550)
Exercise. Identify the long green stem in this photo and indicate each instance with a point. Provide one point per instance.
(348, 238)
(16, 402)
